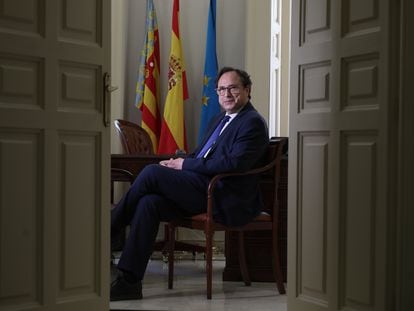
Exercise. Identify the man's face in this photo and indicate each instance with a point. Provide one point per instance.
(232, 94)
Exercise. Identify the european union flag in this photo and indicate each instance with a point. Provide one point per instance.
(210, 99)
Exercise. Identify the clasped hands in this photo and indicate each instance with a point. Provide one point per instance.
(176, 164)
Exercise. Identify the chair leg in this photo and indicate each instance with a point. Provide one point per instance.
(277, 270)
(209, 262)
(242, 260)
(164, 250)
(171, 247)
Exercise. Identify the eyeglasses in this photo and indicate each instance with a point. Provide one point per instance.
(234, 90)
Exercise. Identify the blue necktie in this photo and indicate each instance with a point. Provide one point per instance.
(212, 139)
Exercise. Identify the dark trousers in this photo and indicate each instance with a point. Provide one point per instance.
(157, 194)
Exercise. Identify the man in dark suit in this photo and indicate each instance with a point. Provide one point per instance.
(235, 141)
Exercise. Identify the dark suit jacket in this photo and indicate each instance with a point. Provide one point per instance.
(241, 146)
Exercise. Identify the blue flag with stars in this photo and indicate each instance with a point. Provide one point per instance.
(210, 104)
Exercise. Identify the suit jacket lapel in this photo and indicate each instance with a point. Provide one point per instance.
(232, 124)
(209, 132)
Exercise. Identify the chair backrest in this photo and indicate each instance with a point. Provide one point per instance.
(269, 180)
(134, 139)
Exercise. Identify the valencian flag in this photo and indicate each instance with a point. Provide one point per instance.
(147, 89)
(173, 129)
(210, 105)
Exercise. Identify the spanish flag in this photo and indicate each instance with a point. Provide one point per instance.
(173, 136)
(148, 89)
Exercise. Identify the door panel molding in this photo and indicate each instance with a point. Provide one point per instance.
(54, 155)
(339, 159)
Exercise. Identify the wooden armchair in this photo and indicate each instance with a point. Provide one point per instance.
(134, 139)
(119, 175)
(267, 220)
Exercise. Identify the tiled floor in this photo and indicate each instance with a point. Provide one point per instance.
(189, 291)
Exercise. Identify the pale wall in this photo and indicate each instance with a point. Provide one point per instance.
(257, 52)
(241, 42)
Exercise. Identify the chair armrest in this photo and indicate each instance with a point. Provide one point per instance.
(213, 182)
(253, 171)
(119, 174)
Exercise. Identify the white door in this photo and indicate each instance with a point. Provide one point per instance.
(54, 155)
(342, 113)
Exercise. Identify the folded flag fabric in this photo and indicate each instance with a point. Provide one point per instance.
(210, 105)
(173, 135)
(147, 88)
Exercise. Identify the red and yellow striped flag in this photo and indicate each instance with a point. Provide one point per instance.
(173, 128)
(148, 88)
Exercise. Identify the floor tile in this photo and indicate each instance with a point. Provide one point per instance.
(189, 292)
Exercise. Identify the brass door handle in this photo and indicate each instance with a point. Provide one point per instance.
(108, 88)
